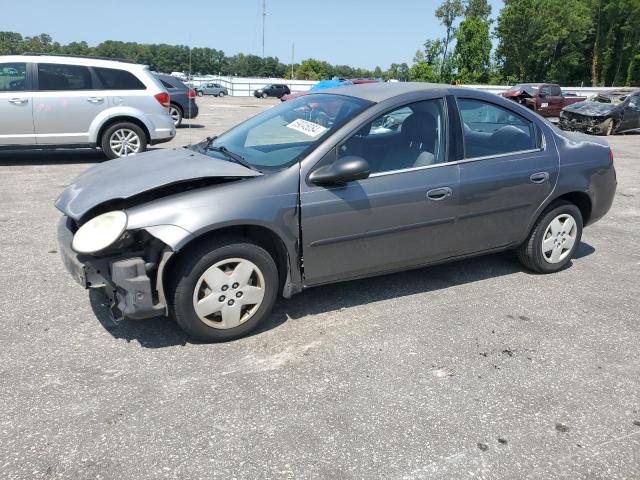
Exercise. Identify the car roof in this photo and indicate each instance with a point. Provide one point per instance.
(71, 60)
(379, 92)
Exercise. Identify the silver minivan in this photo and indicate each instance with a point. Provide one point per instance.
(64, 101)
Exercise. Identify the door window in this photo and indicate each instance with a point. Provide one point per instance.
(492, 130)
(408, 137)
(115, 79)
(633, 102)
(13, 77)
(53, 76)
(555, 91)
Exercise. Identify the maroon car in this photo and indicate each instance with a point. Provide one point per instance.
(546, 99)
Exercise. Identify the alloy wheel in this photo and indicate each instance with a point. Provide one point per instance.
(124, 141)
(174, 113)
(229, 293)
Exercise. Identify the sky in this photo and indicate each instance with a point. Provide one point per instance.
(360, 33)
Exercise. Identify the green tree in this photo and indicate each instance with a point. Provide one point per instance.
(472, 54)
(11, 43)
(312, 69)
(448, 12)
(477, 8)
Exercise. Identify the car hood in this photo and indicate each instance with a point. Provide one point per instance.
(128, 177)
(594, 109)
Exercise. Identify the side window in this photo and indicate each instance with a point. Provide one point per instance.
(53, 76)
(634, 101)
(408, 137)
(493, 130)
(13, 77)
(546, 90)
(555, 91)
(115, 79)
(167, 85)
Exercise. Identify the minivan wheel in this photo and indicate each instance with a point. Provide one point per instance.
(176, 115)
(122, 139)
(223, 291)
(553, 239)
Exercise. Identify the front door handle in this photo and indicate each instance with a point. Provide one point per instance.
(438, 194)
(95, 99)
(18, 101)
(539, 177)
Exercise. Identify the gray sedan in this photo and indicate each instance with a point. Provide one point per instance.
(348, 183)
(214, 89)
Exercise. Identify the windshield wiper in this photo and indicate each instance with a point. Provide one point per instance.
(233, 156)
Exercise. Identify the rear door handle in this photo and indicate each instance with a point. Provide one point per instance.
(95, 99)
(539, 177)
(18, 101)
(438, 194)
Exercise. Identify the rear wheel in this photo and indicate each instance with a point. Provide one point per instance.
(264, 95)
(221, 94)
(200, 93)
(175, 112)
(222, 291)
(123, 139)
(553, 239)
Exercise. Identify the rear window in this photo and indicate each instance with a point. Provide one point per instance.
(54, 76)
(166, 85)
(115, 79)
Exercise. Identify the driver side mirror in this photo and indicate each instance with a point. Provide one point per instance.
(343, 170)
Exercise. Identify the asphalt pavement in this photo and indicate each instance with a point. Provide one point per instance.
(475, 369)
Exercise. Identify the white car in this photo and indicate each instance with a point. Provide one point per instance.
(64, 101)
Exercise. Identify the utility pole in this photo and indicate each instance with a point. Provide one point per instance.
(264, 17)
(293, 49)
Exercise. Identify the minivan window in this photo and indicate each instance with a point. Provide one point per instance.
(493, 130)
(115, 79)
(13, 77)
(54, 76)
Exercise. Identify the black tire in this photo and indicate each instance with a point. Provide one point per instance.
(221, 94)
(192, 265)
(264, 95)
(124, 126)
(176, 114)
(200, 93)
(530, 252)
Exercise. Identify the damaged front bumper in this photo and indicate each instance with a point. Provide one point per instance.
(582, 123)
(130, 282)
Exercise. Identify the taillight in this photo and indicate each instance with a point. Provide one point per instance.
(163, 98)
(611, 154)
(191, 93)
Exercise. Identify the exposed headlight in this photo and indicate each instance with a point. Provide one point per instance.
(100, 232)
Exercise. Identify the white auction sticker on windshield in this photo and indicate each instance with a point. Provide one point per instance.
(308, 128)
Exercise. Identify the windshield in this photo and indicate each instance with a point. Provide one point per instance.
(280, 136)
(612, 98)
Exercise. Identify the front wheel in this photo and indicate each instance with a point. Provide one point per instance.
(123, 139)
(264, 95)
(608, 127)
(200, 93)
(221, 94)
(222, 291)
(553, 239)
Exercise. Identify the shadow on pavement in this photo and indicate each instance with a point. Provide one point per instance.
(163, 332)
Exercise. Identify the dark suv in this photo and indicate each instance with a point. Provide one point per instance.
(182, 98)
(274, 90)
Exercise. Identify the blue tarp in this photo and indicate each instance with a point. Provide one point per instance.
(323, 84)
